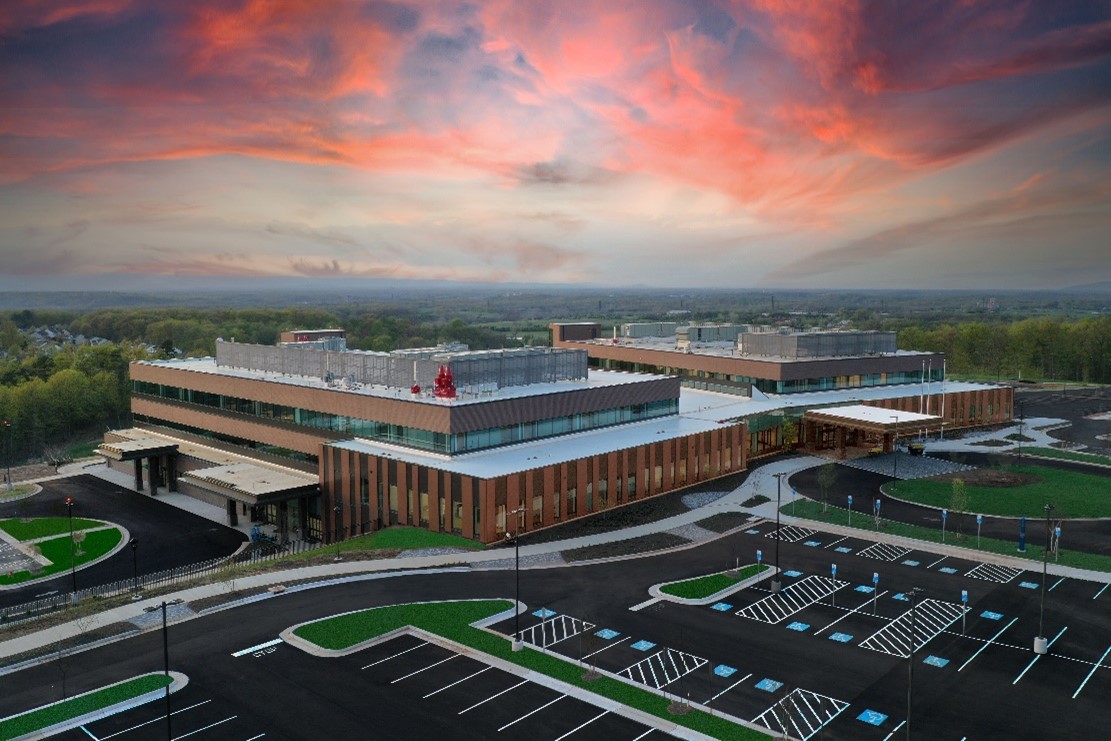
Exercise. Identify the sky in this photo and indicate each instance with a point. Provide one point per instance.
(756, 144)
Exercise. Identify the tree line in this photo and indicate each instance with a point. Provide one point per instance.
(1036, 349)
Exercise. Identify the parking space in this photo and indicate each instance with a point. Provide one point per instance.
(194, 714)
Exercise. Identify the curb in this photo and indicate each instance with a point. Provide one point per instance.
(656, 590)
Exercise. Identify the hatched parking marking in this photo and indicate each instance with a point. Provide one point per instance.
(671, 663)
(933, 616)
(777, 607)
(884, 552)
(553, 630)
(994, 572)
(800, 714)
(791, 533)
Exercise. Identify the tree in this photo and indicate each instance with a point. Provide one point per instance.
(827, 478)
(790, 432)
(958, 504)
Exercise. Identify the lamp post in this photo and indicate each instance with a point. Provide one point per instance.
(336, 511)
(165, 657)
(72, 546)
(135, 566)
(895, 450)
(1041, 645)
(516, 540)
(776, 582)
(1021, 421)
(910, 664)
(8, 457)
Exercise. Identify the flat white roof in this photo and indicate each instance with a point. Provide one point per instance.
(594, 379)
(876, 415)
(699, 411)
(724, 349)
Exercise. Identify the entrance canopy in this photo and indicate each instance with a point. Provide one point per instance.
(251, 484)
(129, 450)
(875, 419)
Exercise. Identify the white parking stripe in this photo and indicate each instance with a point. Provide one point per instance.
(1101, 591)
(532, 712)
(729, 687)
(605, 647)
(491, 697)
(464, 679)
(259, 647)
(895, 729)
(418, 671)
(414, 648)
(211, 725)
(837, 541)
(584, 725)
(155, 720)
(850, 612)
(1035, 659)
(86, 730)
(253, 738)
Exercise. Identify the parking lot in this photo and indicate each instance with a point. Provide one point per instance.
(828, 654)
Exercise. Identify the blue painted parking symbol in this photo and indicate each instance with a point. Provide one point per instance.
(753, 531)
(841, 637)
(768, 685)
(991, 615)
(935, 661)
(722, 607)
(901, 597)
(543, 613)
(865, 589)
(843, 549)
(792, 573)
(947, 570)
(800, 627)
(724, 671)
(872, 717)
(812, 543)
(911, 562)
(644, 645)
(607, 634)
(1029, 585)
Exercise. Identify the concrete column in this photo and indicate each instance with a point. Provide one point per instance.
(171, 472)
(152, 474)
(138, 474)
(283, 521)
(233, 514)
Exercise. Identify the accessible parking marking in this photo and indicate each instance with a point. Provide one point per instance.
(933, 616)
(672, 665)
(791, 533)
(884, 552)
(993, 572)
(551, 632)
(803, 711)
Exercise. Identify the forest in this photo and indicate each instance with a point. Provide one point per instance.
(55, 393)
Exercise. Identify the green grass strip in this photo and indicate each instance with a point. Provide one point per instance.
(1072, 493)
(42, 527)
(865, 522)
(452, 620)
(704, 586)
(58, 550)
(75, 707)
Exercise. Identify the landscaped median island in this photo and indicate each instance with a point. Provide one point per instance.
(454, 620)
(89, 545)
(91, 702)
(704, 587)
(863, 521)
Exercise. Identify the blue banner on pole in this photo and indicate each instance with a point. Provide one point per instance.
(1022, 535)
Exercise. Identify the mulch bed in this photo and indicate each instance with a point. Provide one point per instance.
(992, 477)
(629, 547)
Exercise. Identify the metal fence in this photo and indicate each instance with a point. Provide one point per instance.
(254, 553)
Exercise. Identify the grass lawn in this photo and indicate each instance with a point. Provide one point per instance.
(18, 490)
(1073, 494)
(1068, 455)
(45, 717)
(860, 521)
(95, 545)
(453, 620)
(703, 586)
(41, 527)
(405, 539)
(83, 450)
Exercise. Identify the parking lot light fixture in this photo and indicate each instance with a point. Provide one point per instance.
(72, 547)
(516, 540)
(135, 565)
(776, 581)
(1041, 645)
(8, 457)
(910, 664)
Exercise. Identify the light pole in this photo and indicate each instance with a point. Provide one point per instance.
(135, 566)
(1041, 645)
(1021, 421)
(776, 582)
(8, 457)
(516, 540)
(336, 511)
(72, 556)
(895, 451)
(910, 665)
(165, 657)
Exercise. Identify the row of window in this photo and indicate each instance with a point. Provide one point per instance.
(414, 437)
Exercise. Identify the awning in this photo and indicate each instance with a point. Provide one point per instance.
(875, 419)
(129, 450)
(252, 484)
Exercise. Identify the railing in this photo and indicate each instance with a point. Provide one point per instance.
(255, 553)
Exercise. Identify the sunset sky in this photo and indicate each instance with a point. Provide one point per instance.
(767, 143)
